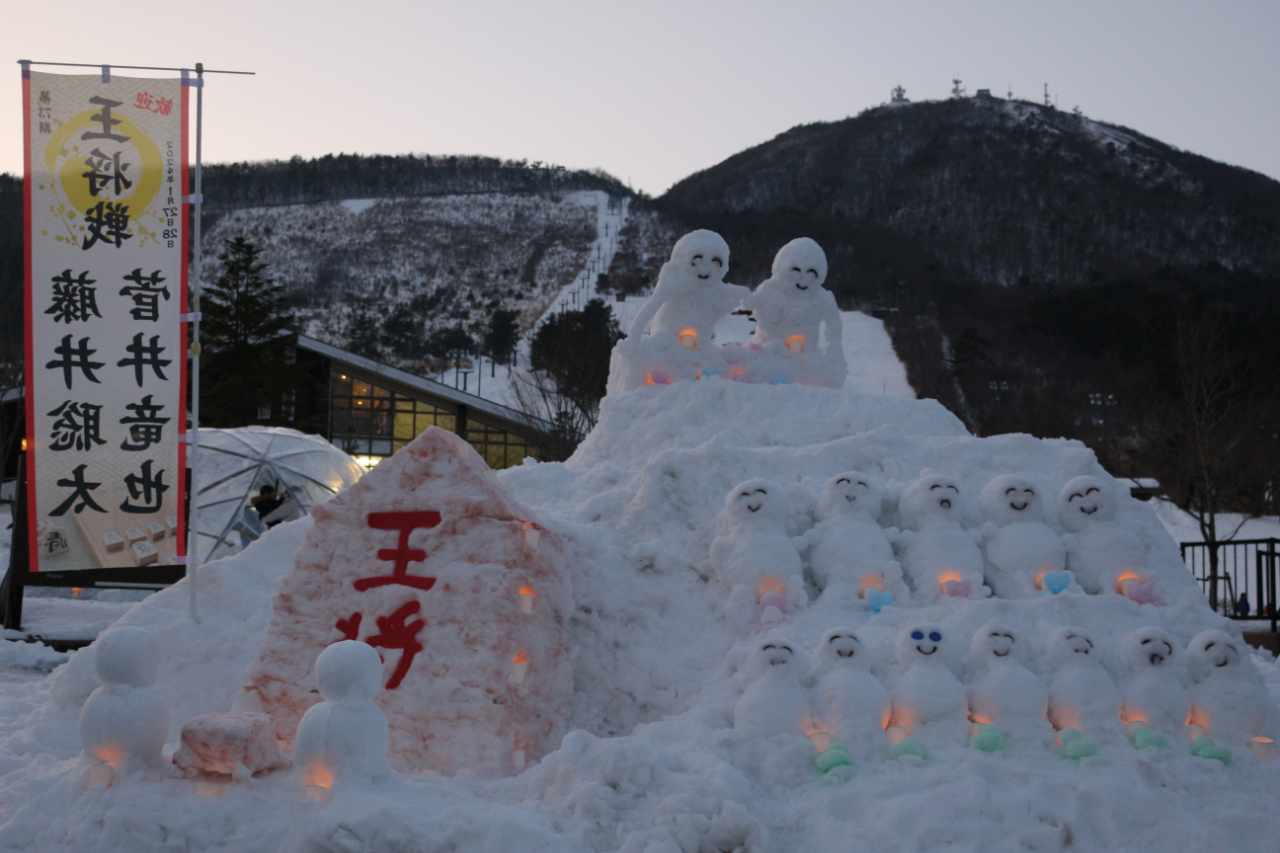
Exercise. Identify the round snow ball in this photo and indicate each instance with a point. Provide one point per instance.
(349, 669)
(127, 655)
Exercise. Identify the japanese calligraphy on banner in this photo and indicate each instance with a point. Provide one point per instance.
(106, 282)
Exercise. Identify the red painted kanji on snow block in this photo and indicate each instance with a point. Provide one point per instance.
(402, 555)
(395, 634)
(350, 628)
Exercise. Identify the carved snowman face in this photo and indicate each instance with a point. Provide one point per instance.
(1149, 648)
(773, 658)
(757, 503)
(995, 643)
(921, 644)
(1212, 651)
(935, 497)
(703, 255)
(842, 647)
(1070, 646)
(851, 492)
(1085, 501)
(800, 268)
(1011, 498)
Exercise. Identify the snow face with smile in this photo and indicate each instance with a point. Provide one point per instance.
(1100, 551)
(1081, 694)
(939, 557)
(1008, 694)
(848, 547)
(850, 702)
(1153, 693)
(1020, 548)
(1227, 698)
(928, 700)
(791, 306)
(753, 548)
(774, 702)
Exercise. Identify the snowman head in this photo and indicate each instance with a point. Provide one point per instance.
(800, 268)
(774, 658)
(701, 256)
(1011, 498)
(126, 655)
(921, 645)
(850, 492)
(995, 643)
(1085, 501)
(842, 648)
(757, 504)
(1213, 651)
(934, 497)
(1071, 647)
(1148, 649)
(349, 671)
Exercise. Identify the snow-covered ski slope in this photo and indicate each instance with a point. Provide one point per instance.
(652, 764)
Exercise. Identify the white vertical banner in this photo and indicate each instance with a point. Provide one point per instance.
(106, 354)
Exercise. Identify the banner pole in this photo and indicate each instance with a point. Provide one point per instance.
(193, 527)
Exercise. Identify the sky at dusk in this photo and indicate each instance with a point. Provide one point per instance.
(653, 91)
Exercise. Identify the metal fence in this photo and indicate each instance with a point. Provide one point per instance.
(1239, 576)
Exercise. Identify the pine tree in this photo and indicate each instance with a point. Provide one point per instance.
(247, 368)
(501, 337)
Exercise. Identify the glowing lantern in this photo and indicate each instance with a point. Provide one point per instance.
(1130, 585)
(795, 344)
(896, 734)
(657, 376)
(689, 339)
(531, 535)
(526, 599)
(518, 759)
(1130, 725)
(76, 591)
(870, 582)
(208, 790)
(101, 776)
(952, 584)
(316, 781)
(1263, 747)
(519, 667)
(820, 739)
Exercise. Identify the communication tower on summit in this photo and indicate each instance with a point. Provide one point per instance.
(1047, 102)
(957, 88)
(898, 95)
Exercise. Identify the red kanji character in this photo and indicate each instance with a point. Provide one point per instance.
(350, 628)
(402, 555)
(144, 101)
(395, 634)
(164, 106)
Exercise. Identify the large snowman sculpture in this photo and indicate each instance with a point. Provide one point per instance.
(1103, 555)
(1006, 694)
(1154, 703)
(1227, 698)
(1023, 554)
(928, 700)
(849, 553)
(851, 702)
(753, 555)
(791, 309)
(938, 556)
(1082, 696)
(774, 701)
(345, 737)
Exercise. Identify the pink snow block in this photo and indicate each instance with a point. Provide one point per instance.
(958, 589)
(426, 559)
(216, 743)
(773, 599)
(1141, 593)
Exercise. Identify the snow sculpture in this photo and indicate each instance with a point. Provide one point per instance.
(848, 550)
(1023, 554)
(753, 554)
(236, 744)
(774, 702)
(938, 556)
(1102, 555)
(1227, 698)
(124, 723)
(1007, 695)
(690, 297)
(462, 591)
(1154, 703)
(345, 737)
(928, 701)
(790, 309)
(851, 703)
(1082, 696)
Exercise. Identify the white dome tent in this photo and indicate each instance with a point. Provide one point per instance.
(235, 463)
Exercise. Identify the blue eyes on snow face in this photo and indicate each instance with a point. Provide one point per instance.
(936, 637)
(917, 635)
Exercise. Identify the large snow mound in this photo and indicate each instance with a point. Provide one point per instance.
(652, 762)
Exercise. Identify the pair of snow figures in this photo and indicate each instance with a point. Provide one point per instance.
(1074, 708)
(790, 309)
(1014, 553)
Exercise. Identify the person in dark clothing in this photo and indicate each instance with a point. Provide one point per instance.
(266, 502)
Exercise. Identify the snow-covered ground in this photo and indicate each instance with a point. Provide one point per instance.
(653, 764)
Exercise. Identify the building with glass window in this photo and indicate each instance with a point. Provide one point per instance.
(371, 410)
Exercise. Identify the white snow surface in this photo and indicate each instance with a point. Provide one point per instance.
(651, 764)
